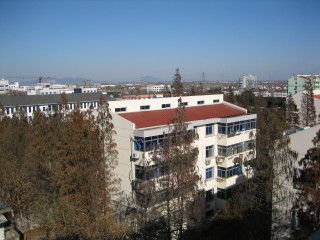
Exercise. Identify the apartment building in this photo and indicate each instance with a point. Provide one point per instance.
(46, 103)
(156, 88)
(224, 138)
(248, 82)
(296, 83)
(4, 86)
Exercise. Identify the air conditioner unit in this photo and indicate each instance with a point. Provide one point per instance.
(208, 161)
(135, 156)
(219, 159)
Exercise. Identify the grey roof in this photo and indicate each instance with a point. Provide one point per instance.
(30, 100)
(302, 140)
(4, 208)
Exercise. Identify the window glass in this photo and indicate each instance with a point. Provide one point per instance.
(145, 107)
(167, 105)
(209, 129)
(209, 151)
(123, 109)
(209, 173)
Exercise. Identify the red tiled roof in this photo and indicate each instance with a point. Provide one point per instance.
(316, 96)
(162, 117)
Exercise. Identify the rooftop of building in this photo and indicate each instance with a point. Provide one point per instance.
(163, 117)
(47, 99)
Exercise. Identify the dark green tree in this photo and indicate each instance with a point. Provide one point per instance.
(179, 182)
(177, 88)
(308, 200)
(307, 110)
(292, 115)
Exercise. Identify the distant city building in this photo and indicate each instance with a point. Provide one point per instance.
(156, 88)
(279, 93)
(46, 103)
(296, 83)
(248, 82)
(4, 86)
(43, 88)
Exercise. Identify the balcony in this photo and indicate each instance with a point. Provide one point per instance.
(237, 137)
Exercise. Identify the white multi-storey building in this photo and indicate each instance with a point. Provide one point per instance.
(156, 88)
(248, 82)
(224, 139)
(46, 103)
(4, 86)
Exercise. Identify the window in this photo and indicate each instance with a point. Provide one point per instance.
(149, 172)
(229, 128)
(123, 109)
(144, 107)
(224, 193)
(209, 195)
(227, 151)
(209, 129)
(216, 100)
(200, 102)
(43, 108)
(230, 171)
(148, 143)
(167, 105)
(209, 151)
(209, 173)
(184, 104)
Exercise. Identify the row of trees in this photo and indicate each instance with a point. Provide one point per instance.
(57, 173)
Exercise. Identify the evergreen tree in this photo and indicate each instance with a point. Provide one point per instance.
(267, 193)
(177, 85)
(308, 201)
(179, 183)
(308, 112)
(292, 113)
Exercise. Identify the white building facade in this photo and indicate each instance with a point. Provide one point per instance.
(4, 86)
(156, 88)
(248, 82)
(225, 133)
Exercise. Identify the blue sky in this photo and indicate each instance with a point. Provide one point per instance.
(123, 40)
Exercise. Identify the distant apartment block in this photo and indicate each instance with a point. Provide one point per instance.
(296, 83)
(4, 86)
(156, 88)
(248, 82)
(46, 103)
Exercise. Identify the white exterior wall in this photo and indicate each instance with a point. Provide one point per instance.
(84, 106)
(125, 169)
(156, 103)
(4, 86)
